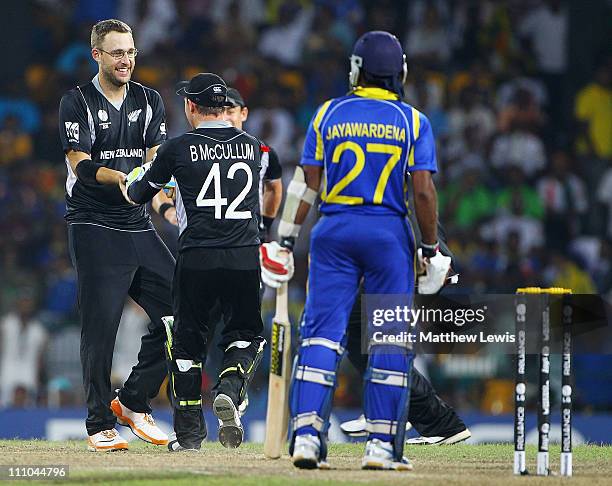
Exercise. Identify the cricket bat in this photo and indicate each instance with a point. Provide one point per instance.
(277, 415)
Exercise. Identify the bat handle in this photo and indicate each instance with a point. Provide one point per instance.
(282, 300)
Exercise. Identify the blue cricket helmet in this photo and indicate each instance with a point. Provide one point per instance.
(379, 55)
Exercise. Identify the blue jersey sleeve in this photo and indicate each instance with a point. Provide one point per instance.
(313, 143)
(423, 154)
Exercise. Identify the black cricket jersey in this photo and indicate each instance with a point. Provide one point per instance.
(270, 171)
(117, 138)
(270, 168)
(217, 172)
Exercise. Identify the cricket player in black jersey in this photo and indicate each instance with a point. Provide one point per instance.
(216, 171)
(270, 196)
(270, 183)
(107, 127)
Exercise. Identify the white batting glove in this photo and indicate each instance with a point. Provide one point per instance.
(276, 264)
(435, 271)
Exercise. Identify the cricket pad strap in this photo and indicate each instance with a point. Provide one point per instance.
(381, 426)
(240, 361)
(308, 418)
(387, 377)
(327, 343)
(297, 191)
(186, 384)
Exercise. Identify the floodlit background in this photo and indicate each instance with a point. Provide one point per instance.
(519, 95)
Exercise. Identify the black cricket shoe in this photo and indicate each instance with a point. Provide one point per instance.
(174, 446)
(230, 428)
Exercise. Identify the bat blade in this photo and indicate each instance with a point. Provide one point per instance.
(277, 416)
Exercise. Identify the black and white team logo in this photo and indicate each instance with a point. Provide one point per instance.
(162, 128)
(72, 131)
(133, 116)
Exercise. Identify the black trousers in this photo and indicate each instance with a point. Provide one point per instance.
(202, 297)
(111, 265)
(209, 286)
(428, 413)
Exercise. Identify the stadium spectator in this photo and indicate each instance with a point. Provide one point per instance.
(466, 201)
(604, 196)
(15, 143)
(519, 148)
(563, 194)
(274, 124)
(593, 111)
(152, 19)
(545, 30)
(523, 111)
(285, 40)
(471, 112)
(517, 80)
(22, 341)
(526, 231)
(563, 271)
(427, 42)
(517, 191)
(596, 256)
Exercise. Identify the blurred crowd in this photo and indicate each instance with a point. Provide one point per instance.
(521, 115)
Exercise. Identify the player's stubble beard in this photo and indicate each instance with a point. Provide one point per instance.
(111, 75)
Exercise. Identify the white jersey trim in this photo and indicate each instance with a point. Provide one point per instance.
(115, 229)
(71, 178)
(181, 214)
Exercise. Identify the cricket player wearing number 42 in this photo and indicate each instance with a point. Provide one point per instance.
(363, 145)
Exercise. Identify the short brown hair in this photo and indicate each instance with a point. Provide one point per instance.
(99, 31)
(210, 110)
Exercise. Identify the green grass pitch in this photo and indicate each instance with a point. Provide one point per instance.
(145, 464)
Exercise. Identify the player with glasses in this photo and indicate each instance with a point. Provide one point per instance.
(109, 126)
(118, 54)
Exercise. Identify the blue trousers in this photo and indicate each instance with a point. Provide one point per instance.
(344, 249)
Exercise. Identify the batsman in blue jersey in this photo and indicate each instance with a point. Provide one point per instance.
(362, 146)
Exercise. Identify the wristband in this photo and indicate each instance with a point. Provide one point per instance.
(163, 208)
(267, 222)
(86, 171)
(288, 242)
(429, 251)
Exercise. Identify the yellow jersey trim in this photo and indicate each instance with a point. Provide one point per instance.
(316, 125)
(376, 93)
(416, 129)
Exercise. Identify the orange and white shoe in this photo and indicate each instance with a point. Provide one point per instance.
(142, 424)
(106, 441)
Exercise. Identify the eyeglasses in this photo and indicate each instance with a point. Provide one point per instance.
(118, 54)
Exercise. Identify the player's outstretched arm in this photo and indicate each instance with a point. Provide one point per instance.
(91, 173)
(144, 182)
